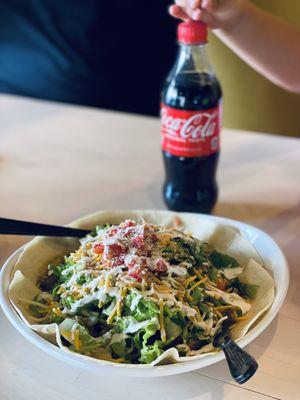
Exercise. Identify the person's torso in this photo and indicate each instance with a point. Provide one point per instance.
(111, 54)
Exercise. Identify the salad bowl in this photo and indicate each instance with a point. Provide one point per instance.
(270, 254)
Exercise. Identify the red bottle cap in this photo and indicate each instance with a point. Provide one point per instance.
(192, 32)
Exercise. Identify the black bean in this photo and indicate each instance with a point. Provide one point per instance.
(46, 284)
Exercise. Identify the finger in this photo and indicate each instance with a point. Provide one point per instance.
(196, 15)
(209, 5)
(178, 12)
(194, 4)
(204, 16)
(184, 4)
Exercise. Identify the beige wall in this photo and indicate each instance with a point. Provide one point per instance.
(251, 101)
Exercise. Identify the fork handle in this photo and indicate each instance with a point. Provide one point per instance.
(241, 364)
(15, 227)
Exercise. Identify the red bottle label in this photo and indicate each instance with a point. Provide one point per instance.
(190, 133)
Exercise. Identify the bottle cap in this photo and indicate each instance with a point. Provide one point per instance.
(192, 32)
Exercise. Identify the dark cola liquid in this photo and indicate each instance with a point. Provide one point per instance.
(190, 183)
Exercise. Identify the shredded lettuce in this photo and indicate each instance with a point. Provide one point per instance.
(150, 353)
(143, 309)
(87, 342)
(181, 249)
(221, 261)
(246, 289)
(172, 330)
(123, 348)
(102, 308)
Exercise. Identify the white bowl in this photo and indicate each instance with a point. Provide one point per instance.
(274, 261)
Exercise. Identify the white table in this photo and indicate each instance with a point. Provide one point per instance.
(59, 162)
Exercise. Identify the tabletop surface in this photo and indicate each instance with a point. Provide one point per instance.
(59, 162)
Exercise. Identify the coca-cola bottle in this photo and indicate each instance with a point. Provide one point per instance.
(191, 116)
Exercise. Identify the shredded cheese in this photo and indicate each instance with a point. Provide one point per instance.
(198, 312)
(107, 283)
(77, 341)
(112, 315)
(198, 273)
(144, 284)
(198, 284)
(161, 321)
(217, 312)
(243, 318)
(101, 283)
(119, 308)
(123, 292)
(67, 335)
(162, 289)
(188, 296)
(189, 280)
(58, 312)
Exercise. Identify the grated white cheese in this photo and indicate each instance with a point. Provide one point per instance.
(177, 270)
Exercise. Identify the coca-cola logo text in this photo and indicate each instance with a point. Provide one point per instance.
(190, 133)
(199, 125)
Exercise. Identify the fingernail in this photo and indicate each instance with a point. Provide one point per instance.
(172, 10)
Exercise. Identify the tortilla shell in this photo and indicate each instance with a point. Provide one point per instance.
(37, 254)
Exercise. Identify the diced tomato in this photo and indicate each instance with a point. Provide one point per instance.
(144, 263)
(115, 250)
(98, 248)
(132, 264)
(117, 262)
(161, 266)
(128, 224)
(154, 237)
(129, 232)
(222, 284)
(135, 273)
(112, 231)
(138, 242)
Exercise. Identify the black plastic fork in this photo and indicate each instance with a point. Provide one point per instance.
(241, 364)
(15, 227)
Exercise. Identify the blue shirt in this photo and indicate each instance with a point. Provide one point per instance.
(113, 54)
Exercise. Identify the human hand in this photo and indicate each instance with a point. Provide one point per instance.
(217, 14)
